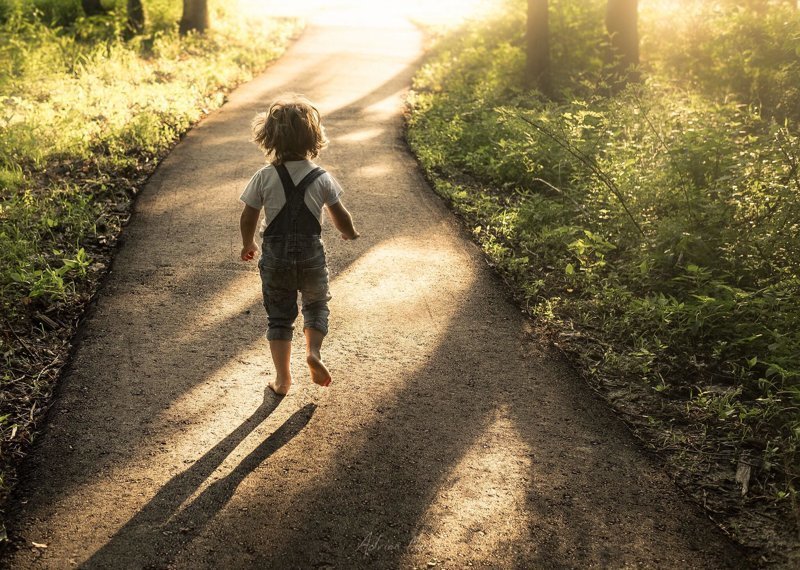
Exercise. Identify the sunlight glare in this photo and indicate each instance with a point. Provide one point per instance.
(369, 12)
(374, 171)
(388, 277)
(360, 135)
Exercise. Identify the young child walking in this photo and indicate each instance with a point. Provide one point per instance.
(292, 191)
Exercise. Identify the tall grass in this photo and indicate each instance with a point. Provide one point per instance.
(76, 96)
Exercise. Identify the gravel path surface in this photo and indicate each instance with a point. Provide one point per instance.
(449, 437)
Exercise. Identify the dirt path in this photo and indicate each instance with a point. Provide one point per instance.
(449, 436)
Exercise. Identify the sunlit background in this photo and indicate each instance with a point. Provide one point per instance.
(360, 12)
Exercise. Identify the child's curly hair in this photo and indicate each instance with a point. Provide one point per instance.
(290, 130)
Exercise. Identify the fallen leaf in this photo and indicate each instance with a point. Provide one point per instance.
(743, 471)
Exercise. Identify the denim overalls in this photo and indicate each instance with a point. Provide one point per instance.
(292, 260)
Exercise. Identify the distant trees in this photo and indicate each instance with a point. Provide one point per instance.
(135, 16)
(93, 7)
(131, 13)
(622, 24)
(195, 16)
(537, 69)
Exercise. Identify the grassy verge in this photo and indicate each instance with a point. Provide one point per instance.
(85, 117)
(654, 234)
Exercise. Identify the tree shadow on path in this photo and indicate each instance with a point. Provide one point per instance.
(409, 446)
(488, 414)
(159, 529)
(138, 330)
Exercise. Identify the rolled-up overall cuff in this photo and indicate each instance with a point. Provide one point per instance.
(280, 332)
(315, 316)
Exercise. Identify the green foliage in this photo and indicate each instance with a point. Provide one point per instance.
(578, 45)
(163, 15)
(7, 9)
(55, 12)
(663, 223)
(83, 93)
(749, 53)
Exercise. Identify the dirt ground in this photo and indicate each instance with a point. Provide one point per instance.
(450, 436)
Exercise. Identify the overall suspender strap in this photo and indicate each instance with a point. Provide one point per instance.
(286, 180)
(295, 218)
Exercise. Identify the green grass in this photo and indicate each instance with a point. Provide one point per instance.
(657, 232)
(85, 115)
(112, 104)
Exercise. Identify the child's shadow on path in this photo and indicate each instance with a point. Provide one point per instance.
(159, 529)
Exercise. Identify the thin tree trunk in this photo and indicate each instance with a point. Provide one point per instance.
(537, 69)
(622, 24)
(135, 16)
(195, 16)
(93, 7)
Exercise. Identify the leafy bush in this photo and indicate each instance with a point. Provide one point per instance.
(7, 8)
(728, 50)
(55, 12)
(66, 99)
(163, 15)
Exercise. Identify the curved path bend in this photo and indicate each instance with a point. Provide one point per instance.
(449, 437)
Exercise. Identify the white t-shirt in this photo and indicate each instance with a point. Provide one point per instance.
(266, 191)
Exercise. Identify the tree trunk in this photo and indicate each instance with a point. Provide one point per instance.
(135, 16)
(537, 68)
(93, 7)
(622, 25)
(195, 16)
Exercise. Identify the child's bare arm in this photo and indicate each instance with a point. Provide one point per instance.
(247, 225)
(342, 220)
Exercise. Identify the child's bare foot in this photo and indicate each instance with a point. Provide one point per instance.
(280, 386)
(319, 373)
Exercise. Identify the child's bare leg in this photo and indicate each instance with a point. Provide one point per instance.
(282, 358)
(319, 373)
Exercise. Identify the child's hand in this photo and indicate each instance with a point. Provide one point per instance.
(343, 221)
(249, 252)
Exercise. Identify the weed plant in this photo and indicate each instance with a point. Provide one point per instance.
(86, 111)
(658, 230)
